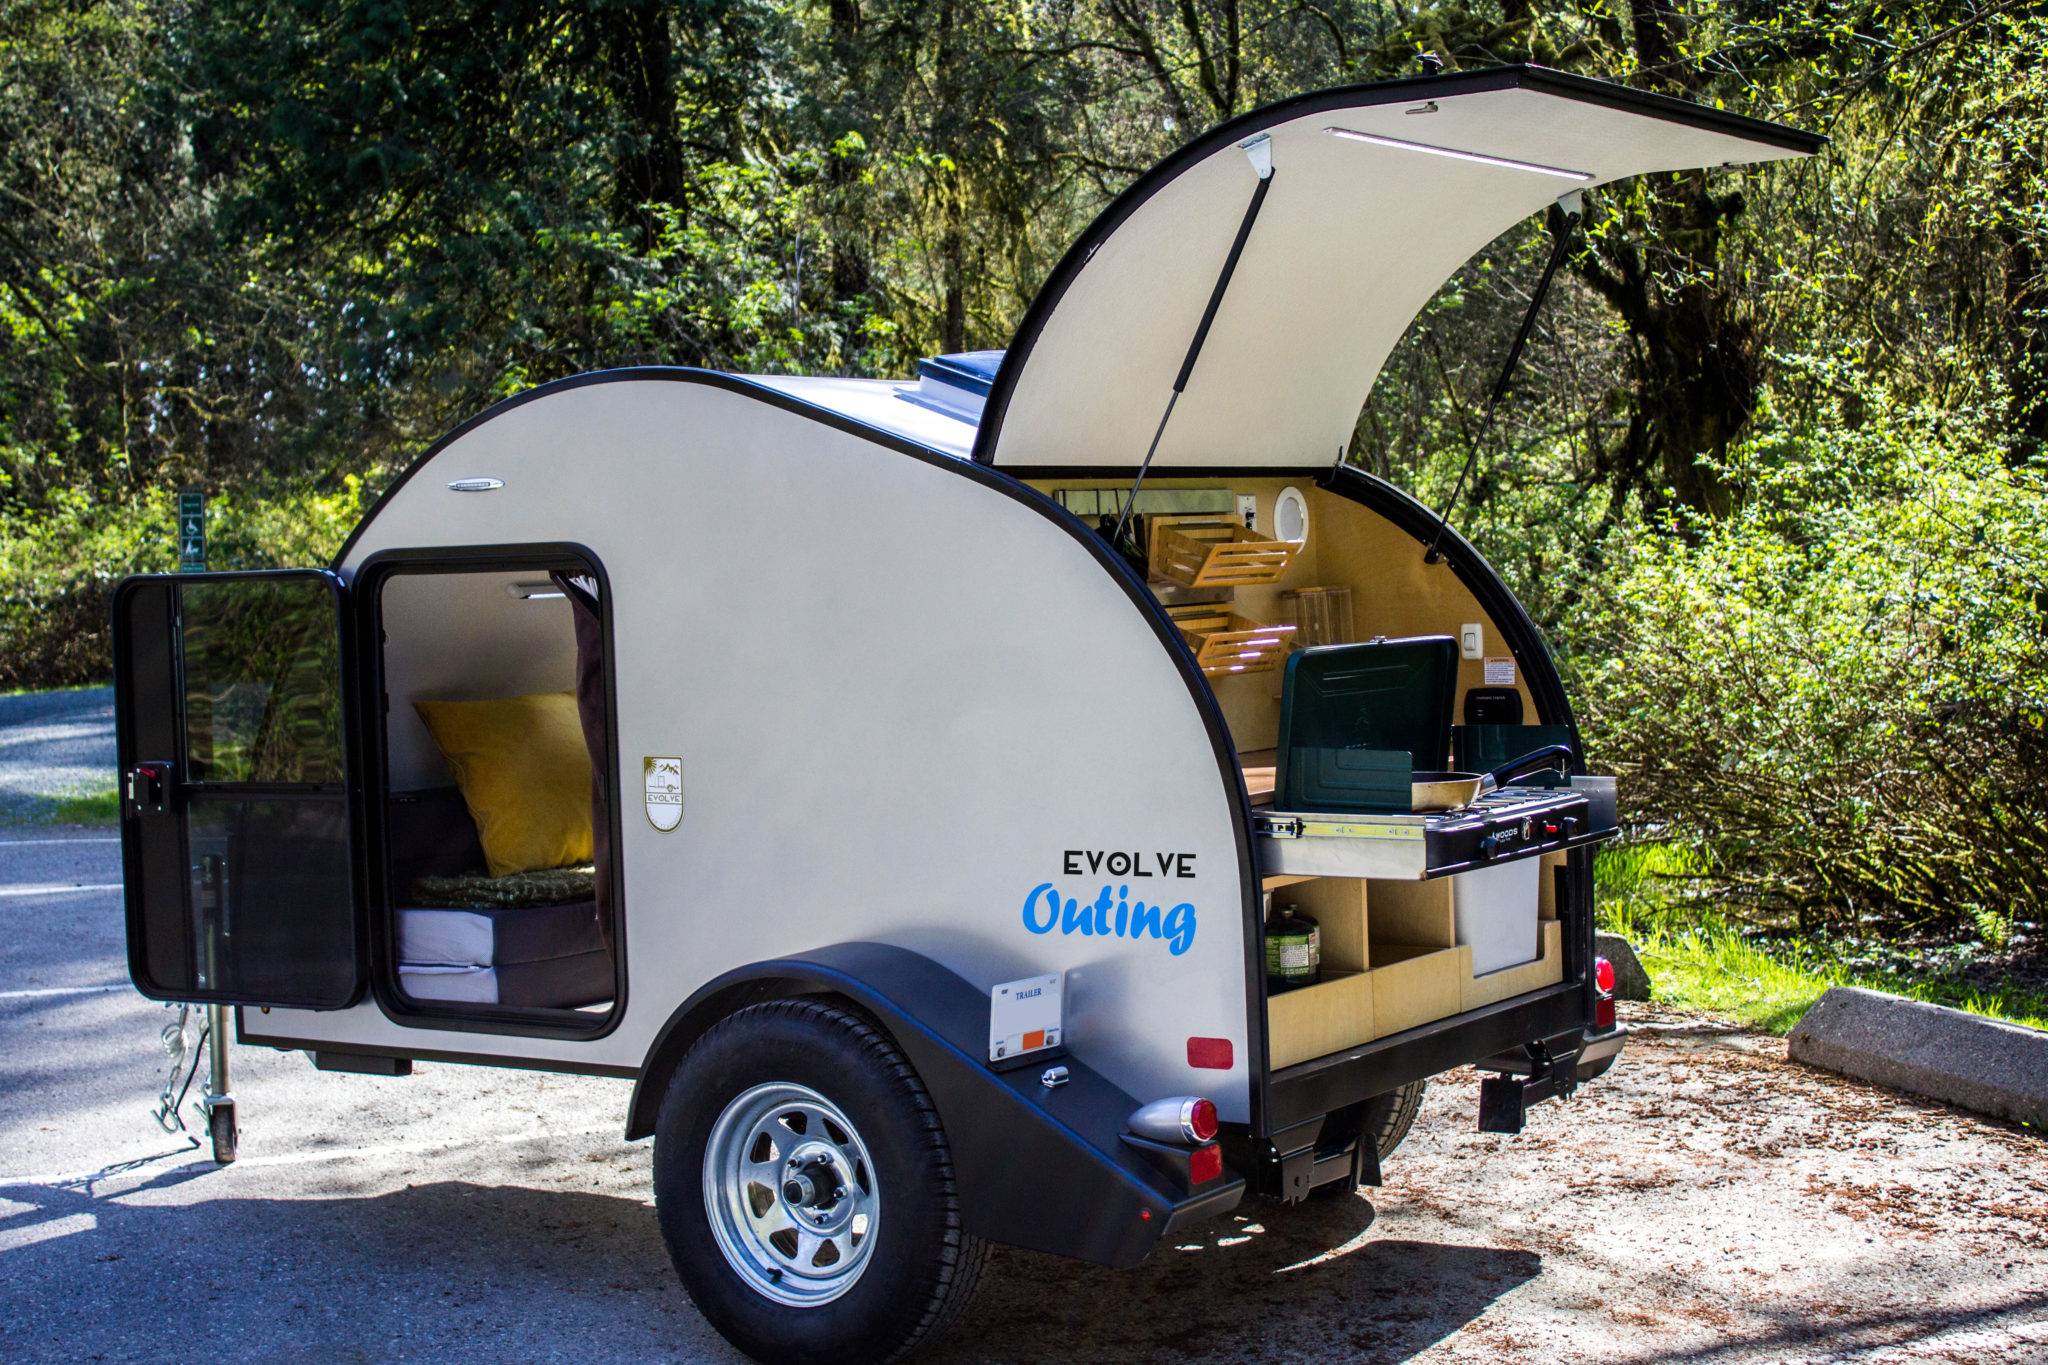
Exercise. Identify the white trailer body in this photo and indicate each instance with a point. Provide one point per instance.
(888, 736)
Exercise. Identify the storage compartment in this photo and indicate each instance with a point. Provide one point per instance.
(1392, 959)
(1495, 913)
(1333, 1014)
(1390, 963)
(1224, 642)
(1546, 970)
(1414, 985)
(1217, 554)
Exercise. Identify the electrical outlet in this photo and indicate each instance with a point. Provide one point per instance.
(1472, 640)
(1247, 508)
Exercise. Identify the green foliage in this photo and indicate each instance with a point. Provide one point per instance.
(58, 564)
(86, 808)
(1699, 960)
(1840, 689)
(1770, 476)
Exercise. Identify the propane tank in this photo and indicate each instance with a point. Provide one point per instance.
(1294, 950)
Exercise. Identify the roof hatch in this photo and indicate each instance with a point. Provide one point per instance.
(1378, 194)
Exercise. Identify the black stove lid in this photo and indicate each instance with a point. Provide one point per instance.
(1346, 707)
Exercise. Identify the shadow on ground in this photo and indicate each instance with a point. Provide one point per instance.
(146, 1267)
(1379, 1300)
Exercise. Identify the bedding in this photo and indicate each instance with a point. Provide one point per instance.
(558, 983)
(444, 937)
(524, 771)
(533, 939)
(474, 891)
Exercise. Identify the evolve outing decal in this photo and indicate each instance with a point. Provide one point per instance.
(664, 792)
(1113, 912)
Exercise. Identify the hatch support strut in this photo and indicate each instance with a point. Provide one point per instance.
(1260, 150)
(1573, 207)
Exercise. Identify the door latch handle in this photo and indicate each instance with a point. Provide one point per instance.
(148, 787)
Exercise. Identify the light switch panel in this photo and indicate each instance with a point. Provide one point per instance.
(1472, 640)
(1247, 508)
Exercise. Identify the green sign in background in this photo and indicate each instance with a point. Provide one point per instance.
(191, 531)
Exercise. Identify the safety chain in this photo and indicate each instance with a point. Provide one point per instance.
(178, 1045)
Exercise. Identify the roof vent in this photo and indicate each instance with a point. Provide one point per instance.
(956, 385)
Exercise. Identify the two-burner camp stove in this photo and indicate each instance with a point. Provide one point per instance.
(1501, 826)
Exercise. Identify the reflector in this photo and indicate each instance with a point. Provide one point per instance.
(1205, 1164)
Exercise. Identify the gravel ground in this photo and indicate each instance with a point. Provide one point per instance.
(54, 744)
(1706, 1201)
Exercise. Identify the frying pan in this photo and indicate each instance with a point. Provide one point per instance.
(1448, 791)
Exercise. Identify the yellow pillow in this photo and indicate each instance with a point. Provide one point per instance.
(524, 773)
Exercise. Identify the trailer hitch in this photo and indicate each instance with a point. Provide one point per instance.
(1528, 1075)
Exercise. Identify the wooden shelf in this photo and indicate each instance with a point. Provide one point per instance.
(1224, 643)
(1216, 554)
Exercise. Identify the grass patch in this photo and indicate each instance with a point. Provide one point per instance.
(1698, 960)
(86, 808)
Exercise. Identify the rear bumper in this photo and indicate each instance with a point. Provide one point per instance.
(1326, 1084)
(1600, 1052)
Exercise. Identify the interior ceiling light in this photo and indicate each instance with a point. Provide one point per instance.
(1509, 163)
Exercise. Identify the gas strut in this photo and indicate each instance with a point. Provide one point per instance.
(1260, 150)
(1572, 206)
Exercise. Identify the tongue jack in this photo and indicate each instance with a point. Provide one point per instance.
(1572, 206)
(1259, 150)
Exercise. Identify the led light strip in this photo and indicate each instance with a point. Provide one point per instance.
(1481, 158)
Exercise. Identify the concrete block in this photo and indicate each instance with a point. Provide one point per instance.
(1961, 1059)
(1631, 982)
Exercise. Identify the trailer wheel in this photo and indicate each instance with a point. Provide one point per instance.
(1388, 1117)
(805, 1188)
(1383, 1121)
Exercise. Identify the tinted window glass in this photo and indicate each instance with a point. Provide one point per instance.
(262, 681)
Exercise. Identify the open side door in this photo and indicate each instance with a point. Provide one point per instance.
(236, 736)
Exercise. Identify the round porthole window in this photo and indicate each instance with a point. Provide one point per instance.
(1290, 515)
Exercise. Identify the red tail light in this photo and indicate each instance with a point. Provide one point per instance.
(1603, 993)
(1181, 1119)
(1205, 1164)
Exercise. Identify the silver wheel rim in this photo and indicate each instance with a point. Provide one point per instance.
(791, 1194)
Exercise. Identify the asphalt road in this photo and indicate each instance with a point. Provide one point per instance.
(1708, 1201)
(53, 744)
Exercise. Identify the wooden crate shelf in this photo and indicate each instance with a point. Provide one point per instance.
(1225, 643)
(1218, 554)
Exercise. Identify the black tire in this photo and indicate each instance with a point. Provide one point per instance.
(922, 1267)
(1384, 1121)
(1388, 1117)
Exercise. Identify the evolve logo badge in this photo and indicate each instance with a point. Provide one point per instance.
(664, 783)
(1112, 912)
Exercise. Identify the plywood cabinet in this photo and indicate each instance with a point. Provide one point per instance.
(1391, 962)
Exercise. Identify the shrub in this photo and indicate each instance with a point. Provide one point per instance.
(1837, 694)
(59, 565)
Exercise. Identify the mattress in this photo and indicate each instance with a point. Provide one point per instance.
(540, 956)
(555, 983)
(450, 937)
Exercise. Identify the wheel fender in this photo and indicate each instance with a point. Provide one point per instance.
(1036, 1167)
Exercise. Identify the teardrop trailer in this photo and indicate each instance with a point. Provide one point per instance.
(896, 780)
